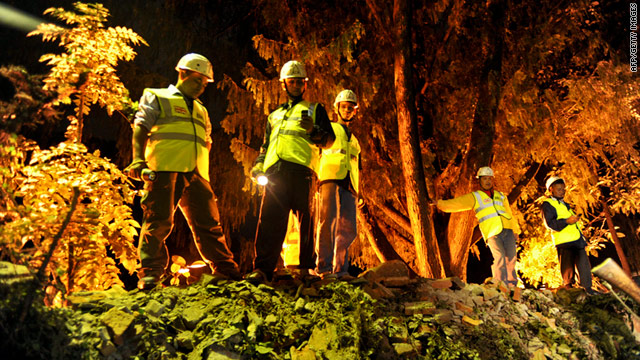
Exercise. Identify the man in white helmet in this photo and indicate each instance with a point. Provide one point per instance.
(294, 133)
(497, 224)
(338, 178)
(172, 138)
(566, 234)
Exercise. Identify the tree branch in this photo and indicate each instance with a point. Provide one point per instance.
(39, 279)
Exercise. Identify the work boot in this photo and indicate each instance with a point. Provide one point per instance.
(257, 276)
(329, 276)
(283, 274)
(230, 273)
(306, 276)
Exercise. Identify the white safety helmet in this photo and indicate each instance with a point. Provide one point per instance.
(484, 171)
(346, 95)
(197, 63)
(552, 180)
(293, 69)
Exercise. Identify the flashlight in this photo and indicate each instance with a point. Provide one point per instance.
(262, 180)
(148, 175)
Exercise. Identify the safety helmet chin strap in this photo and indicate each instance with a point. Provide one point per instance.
(343, 119)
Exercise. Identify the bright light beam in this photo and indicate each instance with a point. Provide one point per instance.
(18, 19)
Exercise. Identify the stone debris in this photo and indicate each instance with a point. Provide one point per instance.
(11, 273)
(384, 314)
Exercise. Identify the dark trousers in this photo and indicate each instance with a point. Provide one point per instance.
(195, 198)
(336, 229)
(570, 259)
(286, 191)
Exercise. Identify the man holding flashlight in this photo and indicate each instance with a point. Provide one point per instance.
(289, 158)
(172, 138)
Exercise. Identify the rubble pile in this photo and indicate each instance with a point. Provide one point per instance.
(383, 314)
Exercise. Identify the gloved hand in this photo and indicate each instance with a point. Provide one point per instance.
(256, 170)
(306, 123)
(134, 170)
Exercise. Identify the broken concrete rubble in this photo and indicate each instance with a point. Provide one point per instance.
(376, 317)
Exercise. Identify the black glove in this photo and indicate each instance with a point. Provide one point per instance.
(134, 170)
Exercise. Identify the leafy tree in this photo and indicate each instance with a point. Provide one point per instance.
(85, 73)
(38, 195)
(39, 186)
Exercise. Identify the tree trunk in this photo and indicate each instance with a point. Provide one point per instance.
(631, 242)
(420, 213)
(480, 150)
(616, 240)
(381, 246)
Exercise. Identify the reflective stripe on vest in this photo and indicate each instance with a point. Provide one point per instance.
(570, 232)
(177, 141)
(488, 212)
(288, 141)
(340, 158)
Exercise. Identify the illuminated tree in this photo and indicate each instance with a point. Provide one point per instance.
(40, 187)
(85, 73)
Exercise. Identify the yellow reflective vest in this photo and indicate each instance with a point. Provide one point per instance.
(341, 158)
(570, 232)
(288, 140)
(177, 141)
(489, 212)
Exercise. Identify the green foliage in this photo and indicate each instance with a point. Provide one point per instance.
(85, 73)
(29, 107)
(43, 334)
(37, 197)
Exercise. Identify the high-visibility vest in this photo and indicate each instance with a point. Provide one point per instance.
(288, 140)
(570, 232)
(177, 141)
(488, 211)
(341, 158)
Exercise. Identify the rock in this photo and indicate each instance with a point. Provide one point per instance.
(516, 294)
(441, 284)
(458, 284)
(192, 315)
(490, 293)
(389, 269)
(420, 307)
(299, 305)
(303, 354)
(220, 353)
(475, 289)
(406, 351)
(118, 322)
(464, 308)
(443, 316)
(470, 321)
(154, 308)
(107, 348)
(398, 281)
(184, 340)
(378, 291)
(423, 330)
(321, 338)
(12, 273)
